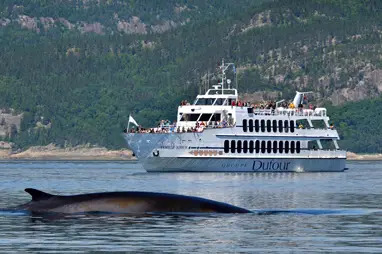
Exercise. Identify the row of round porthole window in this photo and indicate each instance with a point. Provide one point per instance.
(238, 146)
(274, 125)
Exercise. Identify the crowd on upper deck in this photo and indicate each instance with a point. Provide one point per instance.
(166, 126)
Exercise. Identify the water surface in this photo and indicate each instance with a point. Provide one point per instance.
(307, 212)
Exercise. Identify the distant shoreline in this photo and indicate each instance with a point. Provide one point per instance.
(80, 153)
(364, 157)
(87, 153)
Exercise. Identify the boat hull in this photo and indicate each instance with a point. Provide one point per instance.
(158, 164)
(174, 152)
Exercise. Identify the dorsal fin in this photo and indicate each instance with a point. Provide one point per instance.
(38, 195)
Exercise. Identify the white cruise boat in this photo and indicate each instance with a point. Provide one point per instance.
(217, 133)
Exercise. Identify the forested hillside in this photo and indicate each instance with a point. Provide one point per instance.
(76, 69)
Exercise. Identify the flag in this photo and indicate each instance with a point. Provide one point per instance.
(131, 120)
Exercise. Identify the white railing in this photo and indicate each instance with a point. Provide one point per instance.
(291, 112)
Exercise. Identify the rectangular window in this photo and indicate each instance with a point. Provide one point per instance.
(245, 146)
(298, 147)
(219, 101)
(226, 146)
(205, 117)
(269, 127)
(251, 146)
(274, 147)
(245, 125)
(233, 146)
(239, 146)
(262, 125)
(281, 148)
(292, 146)
(286, 128)
(269, 146)
(257, 146)
(263, 146)
(190, 117)
(274, 125)
(216, 117)
(250, 125)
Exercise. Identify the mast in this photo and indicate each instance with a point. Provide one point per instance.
(223, 68)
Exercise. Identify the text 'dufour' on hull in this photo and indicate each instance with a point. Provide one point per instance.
(158, 164)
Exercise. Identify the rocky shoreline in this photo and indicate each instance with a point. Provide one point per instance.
(52, 152)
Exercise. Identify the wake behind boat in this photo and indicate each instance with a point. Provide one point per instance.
(219, 133)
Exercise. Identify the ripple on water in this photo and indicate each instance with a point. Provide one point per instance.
(329, 212)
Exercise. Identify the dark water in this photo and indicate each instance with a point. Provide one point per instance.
(329, 212)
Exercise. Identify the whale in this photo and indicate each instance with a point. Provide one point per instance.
(128, 202)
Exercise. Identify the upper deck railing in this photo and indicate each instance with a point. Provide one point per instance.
(319, 112)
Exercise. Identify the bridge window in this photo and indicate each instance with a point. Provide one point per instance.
(205, 101)
(245, 125)
(286, 126)
(274, 147)
(269, 146)
(263, 146)
(286, 146)
(274, 125)
(292, 146)
(281, 148)
(298, 147)
(257, 125)
(257, 146)
(251, 147)
(245, 146)
(250, 125)
(219, 101)
(239, 146)
(292, 126)
(205, 117)
(262, 125)
(269, 127)
(216, 117)
(280, 126)
(226, 146)
(190, 117)
(233, 146)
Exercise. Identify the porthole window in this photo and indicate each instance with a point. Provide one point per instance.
(269, 146)
(233, 146)
(281, 147)
(263, 146)
(280, 126)
(245, 146)
(226, 146)
(262, 125)
(274, 147)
